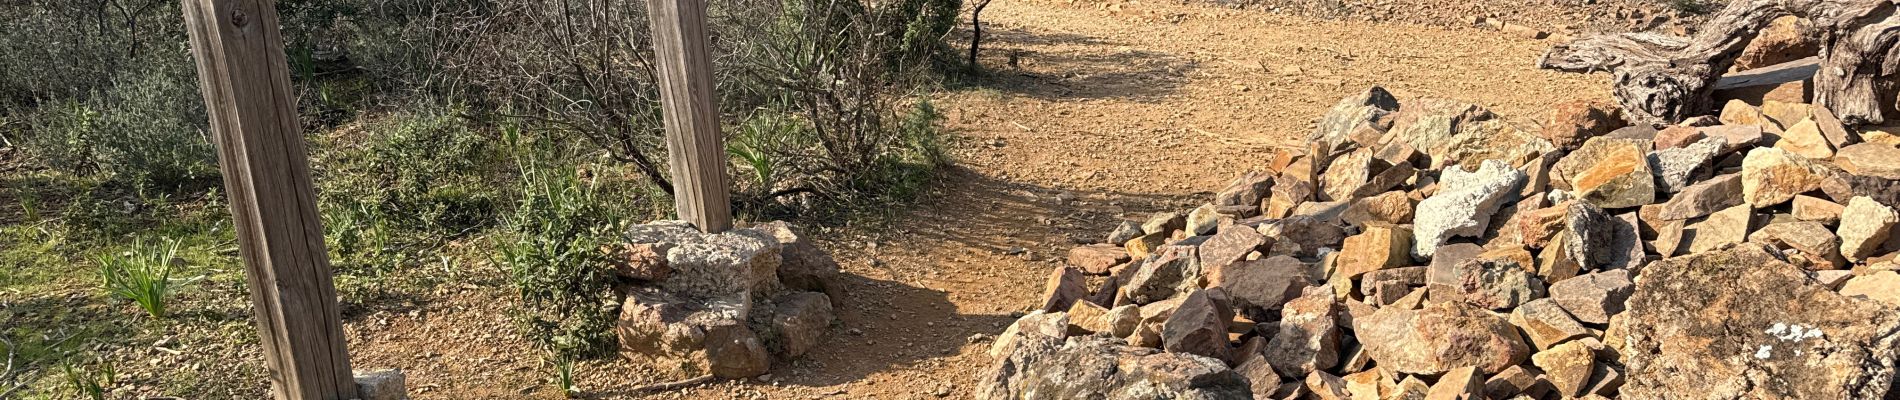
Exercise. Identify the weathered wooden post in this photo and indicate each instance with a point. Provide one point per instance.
(695, 149)
(246, 84)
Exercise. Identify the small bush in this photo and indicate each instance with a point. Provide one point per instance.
(551, 249)
(146, 128)
(142, 275)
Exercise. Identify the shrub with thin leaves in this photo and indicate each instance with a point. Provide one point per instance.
(142, 275)
(551, 249)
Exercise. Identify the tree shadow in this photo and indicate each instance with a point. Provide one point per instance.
(1068, 66)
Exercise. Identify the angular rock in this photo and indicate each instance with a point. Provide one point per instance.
(1882, 286)
(1870, 159)
(1677, 136)
(1804, 138)
(1063, 288)
(1260, 286)
(1088, 318)
(1704, 198)
(1491, 140)
(1785, 39)
(1595, 297)
(645, 262)
(1439, 338)
(1202, 220)
(1431, 124)
(1786, 114)
(715, 265)
(1198, 326)
(1378, 247)
(1164, 222)
(1865, 227)
(671, 334)
(1568, 366)
(1497, 284)
(1611, 173)
(1175, 269)
(1347, 174)
(1145, 245)
(1546, 324)
(1738, 136)
(1308, 339)
(734, 352)
(1804, 240)
(1537, 227)
(1229, 246)
(802, 265)
(1444, 276)
(801, 320)
(1511, 382)
(1738, 323)
(1097, 259)
(1128, 230)
(1388, 208)
(1035, 327)
(1463, 205)
(1084, 366)
(1353, 113)
(1722, 228)
(1571, 123)
(1676, 168)
(1459, 384)
(1288, 193)
(1737, 112)
(1325, 386)
(1305, 235)
(1810, 208)
(1773, 176)
(1589, 235)
(1248, 190)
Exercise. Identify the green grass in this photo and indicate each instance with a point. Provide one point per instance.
(143, 275)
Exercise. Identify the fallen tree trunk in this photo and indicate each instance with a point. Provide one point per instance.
(1663, 79)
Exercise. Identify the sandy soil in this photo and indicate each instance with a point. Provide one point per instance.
(1093, 112)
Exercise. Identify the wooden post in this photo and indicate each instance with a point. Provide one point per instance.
(696, 151)
(246, 84)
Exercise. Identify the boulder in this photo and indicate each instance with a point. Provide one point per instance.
(674, 335)
(1198, 326)
(1571, 123)
(1881, 286)
(1035, 327)
(1870, 159)
(1609, 172)
(801, 320)
(1308, 337)
(1378, 247)
(1259, 287)
(1676, 168)
(1463, 205)
(1246, 191)
(1804, 138)
(713, 265)
(1391, 208)
(1098, 259)
(1063, 288)
(1594, 297)
(1439, 338)
(1353, 113)
(1175, 269)
(802, 264)
(1104, 368)
(1738, 323)
(1773, 176)
(1704, 198)
(1546, 324)
(1865, 227)
(1569, 366)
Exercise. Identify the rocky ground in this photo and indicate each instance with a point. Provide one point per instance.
(1426, 249)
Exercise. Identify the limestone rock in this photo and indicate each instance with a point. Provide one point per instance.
(1595, 297)
(1882, 286)
(1378, 247)
(1804, 138)
(1568, 366)
(1202, 220)
(1722, 228)
(1353, 113)
(1097, 259)
(1085, 366)
(1865, 226)
(1308, 339)
(1571, 123)
(1197, 326)
(1676, 168)
(1260, 286)
(1738, 323)
(713, 265)
(1810, 208)
(1247, 190)
(1704, 198)
(1439, 338)
(1463, 205)
(1546, 324)
(1772, 176)
(1611, 173)
(1063, 288)
(1388, 208)
(1870, 159)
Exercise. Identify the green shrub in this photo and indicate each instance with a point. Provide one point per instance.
(550, 247)
(145, 128)
(142, 275)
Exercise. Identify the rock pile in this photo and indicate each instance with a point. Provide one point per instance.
(724, 304)
(1434, 251)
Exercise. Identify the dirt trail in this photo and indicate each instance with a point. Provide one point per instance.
(1094, 112)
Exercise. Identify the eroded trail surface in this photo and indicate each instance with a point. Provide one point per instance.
(1093, 112)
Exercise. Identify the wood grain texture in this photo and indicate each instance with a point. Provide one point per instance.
(695, 148)
(1662, 79)
(246, 85)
